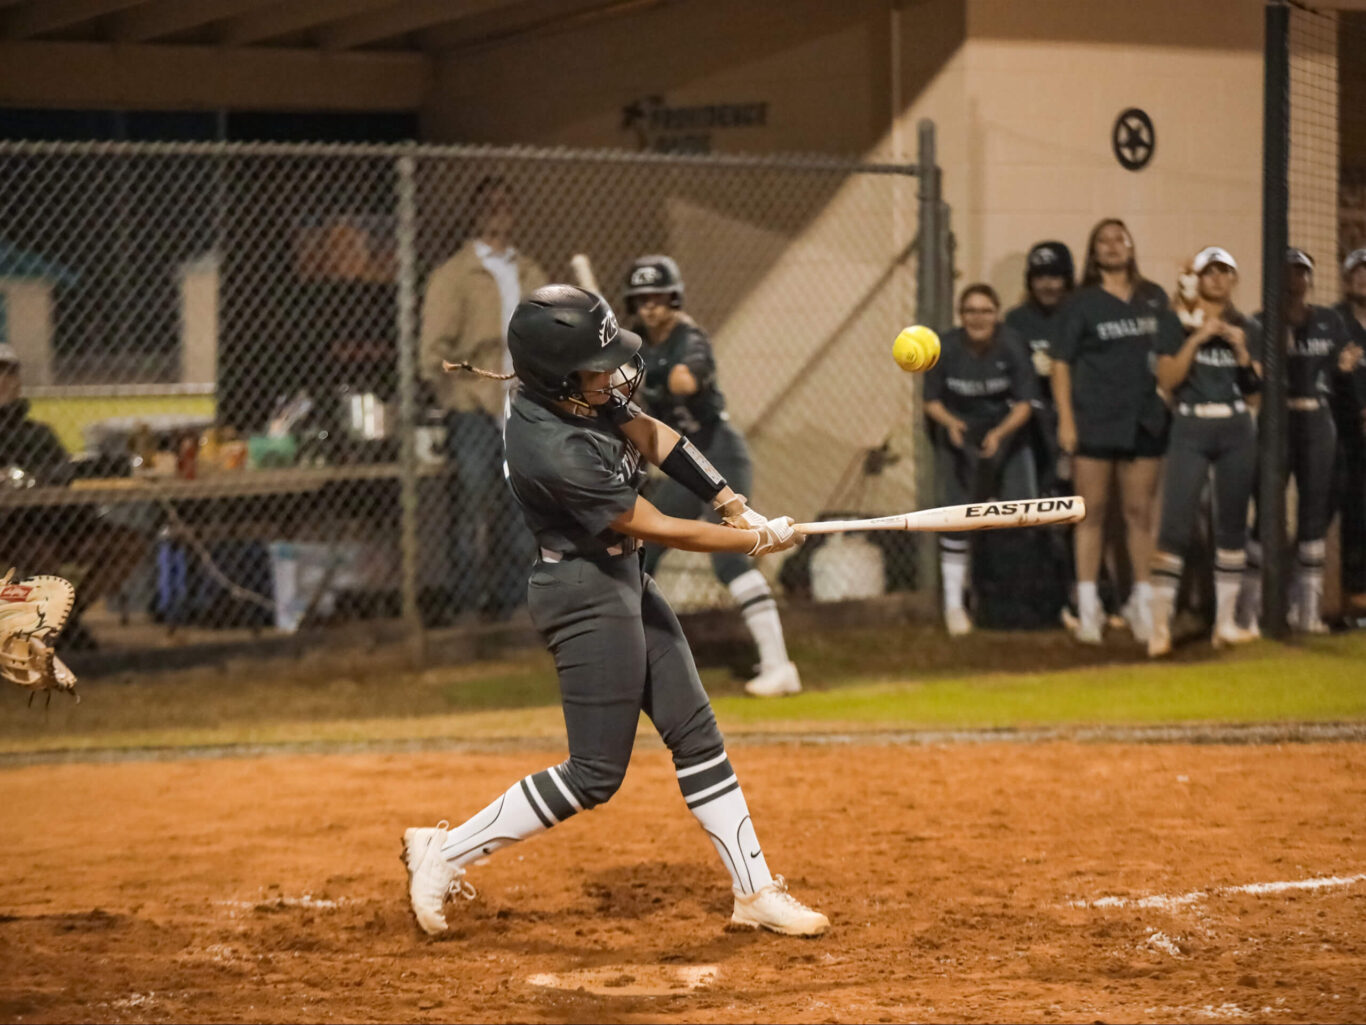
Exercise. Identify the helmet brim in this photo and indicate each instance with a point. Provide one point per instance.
(616, 352)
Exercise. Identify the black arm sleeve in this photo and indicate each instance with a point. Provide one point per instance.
(687, 465)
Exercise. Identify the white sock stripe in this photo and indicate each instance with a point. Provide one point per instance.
(693, 770)
(539, 801)
(702, 795)
(750, 584)
(568, 794)
(756, 604)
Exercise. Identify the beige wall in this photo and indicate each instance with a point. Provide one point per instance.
(821, 66)
(1044, 82)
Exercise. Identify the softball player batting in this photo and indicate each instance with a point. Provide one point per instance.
(681, 390)
(1318, 353)
(574, 446)
(1209, 376)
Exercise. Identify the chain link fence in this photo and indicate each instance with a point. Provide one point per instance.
(228, 341)
(1314, 200)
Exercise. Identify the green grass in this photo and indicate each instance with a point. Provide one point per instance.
(1324, 680)
(856, 679)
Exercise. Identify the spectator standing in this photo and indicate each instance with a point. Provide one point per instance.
(465, 312)
(1110, 415)
(44, 540)
(1050, 278)
(1209, 376)
(978, 397)
(681, 389)
(1350, 411)
(1319, 357)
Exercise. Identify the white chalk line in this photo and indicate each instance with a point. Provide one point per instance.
(1167, 902)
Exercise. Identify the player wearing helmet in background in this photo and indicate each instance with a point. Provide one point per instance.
(681, 389)
(574, 443)
(1319, 358)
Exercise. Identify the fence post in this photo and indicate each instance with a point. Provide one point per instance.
(407, 404)
(1275, 214)
(930, 272)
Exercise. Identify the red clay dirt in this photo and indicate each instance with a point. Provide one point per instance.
(960, 882)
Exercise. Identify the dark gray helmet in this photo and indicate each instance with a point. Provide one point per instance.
(559, 329)
(1050, 258)
(652, 275)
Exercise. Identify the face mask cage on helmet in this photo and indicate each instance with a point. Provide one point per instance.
(625, 381)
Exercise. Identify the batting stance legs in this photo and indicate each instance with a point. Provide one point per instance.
(618, 650)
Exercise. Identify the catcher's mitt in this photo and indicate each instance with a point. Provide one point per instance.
(32, 612)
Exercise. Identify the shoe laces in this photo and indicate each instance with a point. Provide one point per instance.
(781, 894)
(460, 886)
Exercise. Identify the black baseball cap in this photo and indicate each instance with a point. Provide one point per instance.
(1299, 258)
(1053, 259)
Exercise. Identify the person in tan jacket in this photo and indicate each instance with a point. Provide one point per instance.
(468, 302)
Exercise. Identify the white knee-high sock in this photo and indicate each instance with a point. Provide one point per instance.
(531, 805)
(1160, 594)
(755, 598)
(1309, 559)
(1088, 599)
(1229, 566)
(953, 570)
(715, 798)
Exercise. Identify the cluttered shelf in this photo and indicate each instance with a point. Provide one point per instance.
(247, 483)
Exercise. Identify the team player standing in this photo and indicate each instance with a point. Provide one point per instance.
(1147, 404)
(681, 390)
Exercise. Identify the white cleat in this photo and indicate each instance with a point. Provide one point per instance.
(773, 908)
(1229, 635)
(1138, 617)
(431, 878)
(956, 621)
(775, 682)
(1089, 629)
(1160, 640)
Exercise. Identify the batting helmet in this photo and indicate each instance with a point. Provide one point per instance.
(559, 329)
(653, 275)
(1050, 258)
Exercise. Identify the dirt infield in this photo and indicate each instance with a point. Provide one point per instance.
(964, 883)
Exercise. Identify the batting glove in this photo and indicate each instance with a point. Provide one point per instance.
(776, 536)
(737, 513)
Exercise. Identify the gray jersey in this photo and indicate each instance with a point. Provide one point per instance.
(1111, 346)
(981, 387)
(1036, 327)
(1214, 375)
(572, 476)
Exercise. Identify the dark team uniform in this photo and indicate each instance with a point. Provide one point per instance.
(1035, 326)
(1311, 371)
(1212, 427)
(617, 644)
(980, 389)
(1347, 410)
(701, 418)
(1111, 346)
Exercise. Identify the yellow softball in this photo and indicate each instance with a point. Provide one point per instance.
(916, 348)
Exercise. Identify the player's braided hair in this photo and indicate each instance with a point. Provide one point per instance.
(469, 367)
